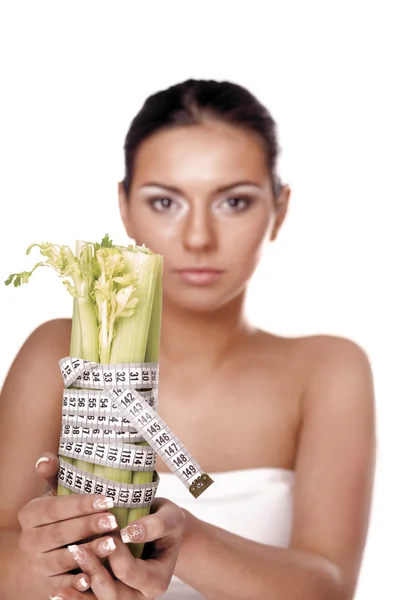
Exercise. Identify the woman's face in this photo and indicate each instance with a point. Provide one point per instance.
(202, 197)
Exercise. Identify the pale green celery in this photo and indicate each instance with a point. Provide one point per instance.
(120, 284)
(88, 324)
(84, 339)
(76, 334)
(129, 344)
(130, 341)
(153, 341)
(84, 343)
(152, 355)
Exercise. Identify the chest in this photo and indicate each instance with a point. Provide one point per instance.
(245, 420)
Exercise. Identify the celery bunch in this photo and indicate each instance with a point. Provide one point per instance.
(117, 294)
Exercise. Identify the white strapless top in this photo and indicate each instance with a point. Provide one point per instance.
(256, 504)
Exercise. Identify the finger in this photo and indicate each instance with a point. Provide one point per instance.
(61, 561)
(56, 535)
(47, 468)
(58, 562)
(101, 547)
(50, 564)
(50, 509)
(151, 578)
(81, 582)
(68, 582)
(168, 520)
(101, 582)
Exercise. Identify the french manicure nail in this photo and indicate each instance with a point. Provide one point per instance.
(132, 533)
(108, 523)
(42, 459)
(103, 503)
(107, 545)
(83, 583)
(77, 554)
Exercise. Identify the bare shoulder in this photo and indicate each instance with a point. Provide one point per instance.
(56, 331)
(52, 337)
(42, 350)
(328, 347)
(323, 365)
(335, 357)
(338, 378)
(317, 346)
(325, 353)
(317, 352)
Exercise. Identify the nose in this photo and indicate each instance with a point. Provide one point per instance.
(199, 231)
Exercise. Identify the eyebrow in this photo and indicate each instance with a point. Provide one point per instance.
(223, 188)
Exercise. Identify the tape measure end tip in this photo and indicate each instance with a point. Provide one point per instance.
(200, 485)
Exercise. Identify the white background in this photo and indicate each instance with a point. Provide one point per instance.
(74, 74)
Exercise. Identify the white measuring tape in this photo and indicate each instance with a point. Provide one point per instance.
(124, 495)
(102, 427)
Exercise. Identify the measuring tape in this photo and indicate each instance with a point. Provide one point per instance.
(124, 495)
(102, 428)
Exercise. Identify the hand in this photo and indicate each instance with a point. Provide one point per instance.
(50, 523)
(151, 577)
(136, 578)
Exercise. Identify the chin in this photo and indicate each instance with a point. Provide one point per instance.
(201, 300)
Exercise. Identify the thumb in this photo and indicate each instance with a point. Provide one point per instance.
(47, 468)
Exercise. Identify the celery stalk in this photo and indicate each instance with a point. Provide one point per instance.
(131, 333)
(129, 344)
(153, 342)
(84, 342)
(83, 345)
(76, 334)
(152, 355)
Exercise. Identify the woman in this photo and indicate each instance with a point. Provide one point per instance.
(285, 426)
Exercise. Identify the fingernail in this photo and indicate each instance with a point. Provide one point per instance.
(83, 584)
(77, 554)
(103, 503)
(56, 598)
(108, 523)
(132, 533)
(42, 459)
(107, 546)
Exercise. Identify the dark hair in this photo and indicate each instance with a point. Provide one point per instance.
(188, 103)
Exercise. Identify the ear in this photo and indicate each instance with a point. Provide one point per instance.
(124, 210)
(281, 207)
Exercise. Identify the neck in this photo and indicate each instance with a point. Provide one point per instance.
(201, 338)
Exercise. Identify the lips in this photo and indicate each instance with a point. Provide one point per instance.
(200, 276)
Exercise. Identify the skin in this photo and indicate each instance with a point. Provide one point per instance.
(48, 523)
(313, 396)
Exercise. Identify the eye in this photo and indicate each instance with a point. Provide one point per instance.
(237, 202)
(162, 204)
(234, 204)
